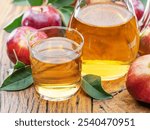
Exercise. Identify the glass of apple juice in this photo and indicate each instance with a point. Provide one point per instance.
(56, 62)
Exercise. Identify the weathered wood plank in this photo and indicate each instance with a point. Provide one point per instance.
(28, 101)
(122, 102)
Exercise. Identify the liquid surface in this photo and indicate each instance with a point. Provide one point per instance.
(111, 39)
(104, 15)
(56, 68)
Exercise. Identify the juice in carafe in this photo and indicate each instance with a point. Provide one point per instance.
(111, 39)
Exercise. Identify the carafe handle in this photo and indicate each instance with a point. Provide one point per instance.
(145, 20)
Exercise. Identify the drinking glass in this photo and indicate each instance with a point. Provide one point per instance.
(55, 55)
(111, 34)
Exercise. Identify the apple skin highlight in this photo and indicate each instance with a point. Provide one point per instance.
(17, 46)
(145, 42)
(138, 79)
(41, 16)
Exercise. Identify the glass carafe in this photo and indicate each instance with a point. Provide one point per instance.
(111, 34)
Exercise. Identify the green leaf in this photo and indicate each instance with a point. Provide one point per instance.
(19, 65)
(66, 13)
(35, 2)
(61, 3)
(18, 80)
(144, 2)
(14, 24)
(51, 1)
(92, 86)
(20, 2)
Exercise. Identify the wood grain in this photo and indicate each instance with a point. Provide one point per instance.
(28, 101)
(121, 103)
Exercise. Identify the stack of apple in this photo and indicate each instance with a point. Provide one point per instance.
(138, 77)
(35, 18)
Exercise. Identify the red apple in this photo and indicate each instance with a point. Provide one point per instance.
(145, 42)
(138, 79)
(17, 46)
(139, 8)
(41, 16)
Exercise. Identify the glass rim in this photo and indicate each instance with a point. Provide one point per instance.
(61, 28)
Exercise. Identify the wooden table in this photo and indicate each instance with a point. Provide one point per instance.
(27, 101)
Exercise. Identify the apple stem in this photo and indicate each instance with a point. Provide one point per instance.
(15, 55)
(41, 9)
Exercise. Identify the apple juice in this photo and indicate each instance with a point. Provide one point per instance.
(56, 68)
(111, 39)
